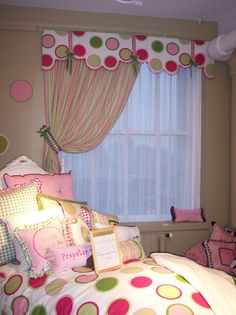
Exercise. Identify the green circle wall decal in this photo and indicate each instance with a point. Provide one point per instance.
(3, 144)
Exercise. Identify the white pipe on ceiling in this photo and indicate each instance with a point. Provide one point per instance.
(222, 47)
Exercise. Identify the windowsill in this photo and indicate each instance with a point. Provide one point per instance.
(169, 226)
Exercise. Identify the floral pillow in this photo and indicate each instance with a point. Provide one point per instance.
(107, 219)
(69, 207)
(220, 254)
(36, 239)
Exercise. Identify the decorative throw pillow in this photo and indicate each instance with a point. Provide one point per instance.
(20, 166)
(21, 220)
(229, 229)
(79, 230)
(124, 233)
(187, 215)
(197, 253)
(98, 217)
(218, 234)
(58, 185)
(35, 241)
(62, 258)
(220, 254)
(131, 249)
(69, 207)
(15, 201)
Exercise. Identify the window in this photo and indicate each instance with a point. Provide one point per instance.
(151, 158)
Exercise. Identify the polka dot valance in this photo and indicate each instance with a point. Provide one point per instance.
(108, 50)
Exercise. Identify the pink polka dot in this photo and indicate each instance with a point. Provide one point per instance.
(38, 282)
(141, 37)
(112, 43)
(2, 275)
(110, 62)
(77, 33)
(199, 299)
(200, 59)
(64, 306)
(21, 90)
(46, 60)
(199, 42)
(48, 41)
(20, 305)
(119, 306)
(143, 54)
(141, 282)
(171, 66)
(131, 260)
(172, 48)
(79, 50)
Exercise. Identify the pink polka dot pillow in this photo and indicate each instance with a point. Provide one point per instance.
(220, 255)
(218, 234)
(62, 258)
(187, 215)
(58, 185)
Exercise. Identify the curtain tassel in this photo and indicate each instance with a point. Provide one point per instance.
(46, 134)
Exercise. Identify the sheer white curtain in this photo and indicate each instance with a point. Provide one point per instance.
(151, 159)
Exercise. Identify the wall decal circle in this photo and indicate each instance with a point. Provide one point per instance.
(4, 143)
(21, 90)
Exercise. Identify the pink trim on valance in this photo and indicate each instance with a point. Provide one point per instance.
(107, 50)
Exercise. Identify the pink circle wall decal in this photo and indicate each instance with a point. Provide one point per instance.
(21, 90)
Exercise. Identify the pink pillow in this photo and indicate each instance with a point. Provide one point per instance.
(220, 254)
(219, 234)
(58, 185)
(187, 215)
(197, 253)
(62, 258)
(35, 241)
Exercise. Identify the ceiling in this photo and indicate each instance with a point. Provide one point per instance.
(221, 11)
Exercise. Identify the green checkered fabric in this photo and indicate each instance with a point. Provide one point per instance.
(15, 201)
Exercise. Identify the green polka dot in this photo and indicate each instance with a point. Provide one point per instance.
(181, 279)
(150, 262)
(155, 64)
(210, 70)
(131, 270)
(69, 207)
(39, 310)
(96, 42)
(61, 51)
(13, 284)
(145, 311)
(88, 308)
(54, 287)
(157, 46)
(3, 144)
(185, 59)
(106, 284)
(161, 269)
(125, 36)
(94, 61)
(82, 269)
(184, 41)
(125, 54)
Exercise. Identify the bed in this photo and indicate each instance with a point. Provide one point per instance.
(62, 279)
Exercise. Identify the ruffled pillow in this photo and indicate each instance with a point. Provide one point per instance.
(36, 239)
(218, 234)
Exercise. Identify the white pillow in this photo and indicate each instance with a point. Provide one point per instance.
(124, 233)
(19, 221)
(20, 166)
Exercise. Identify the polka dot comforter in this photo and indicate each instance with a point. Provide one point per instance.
(139, 288)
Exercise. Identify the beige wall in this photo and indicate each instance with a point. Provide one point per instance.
(20, 59)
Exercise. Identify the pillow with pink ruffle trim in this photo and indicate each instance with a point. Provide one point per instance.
(187, 215)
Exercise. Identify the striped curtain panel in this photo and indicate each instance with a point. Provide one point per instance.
(83, 106)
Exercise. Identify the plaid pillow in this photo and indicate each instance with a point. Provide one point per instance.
(15, 201)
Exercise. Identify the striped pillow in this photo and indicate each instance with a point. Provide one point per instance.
(15, 201)
(131, 249)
